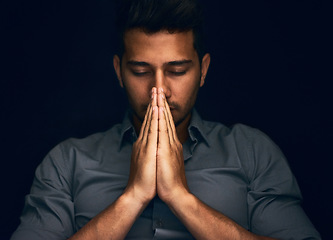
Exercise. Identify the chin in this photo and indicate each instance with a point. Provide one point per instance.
(179, 119)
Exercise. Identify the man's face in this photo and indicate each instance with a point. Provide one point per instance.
(161, 60)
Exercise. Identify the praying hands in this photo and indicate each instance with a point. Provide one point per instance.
(157, 164)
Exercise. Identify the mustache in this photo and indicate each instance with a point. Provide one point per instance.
(172, 105)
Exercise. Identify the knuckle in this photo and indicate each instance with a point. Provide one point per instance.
(143, 151)
(163, 130)
(136, 144)
(178, 145)
(151, 130)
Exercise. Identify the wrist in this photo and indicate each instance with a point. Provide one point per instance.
(178, 196)
(133, 195)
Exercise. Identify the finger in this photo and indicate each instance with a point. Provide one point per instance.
(151, 127)
(147, 127)
(170, 122)
(154, 97)
(143, 126)
(161, 97)
(163, 135)
(153, 130)
(162, 103)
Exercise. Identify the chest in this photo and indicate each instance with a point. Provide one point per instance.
(222, 188)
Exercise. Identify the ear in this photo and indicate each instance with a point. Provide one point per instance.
(204, 68)
(117, 68)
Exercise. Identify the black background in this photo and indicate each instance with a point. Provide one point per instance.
(271, 69)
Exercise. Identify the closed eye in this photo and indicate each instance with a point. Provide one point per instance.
(178, 73)
(140, 74)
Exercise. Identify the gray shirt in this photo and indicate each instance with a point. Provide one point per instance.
(238, 171)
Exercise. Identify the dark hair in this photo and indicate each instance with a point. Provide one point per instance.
(155, 15)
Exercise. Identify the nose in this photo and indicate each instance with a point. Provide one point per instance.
(162, 82)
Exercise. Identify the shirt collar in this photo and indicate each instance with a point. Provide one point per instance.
(196, 129)
(127, 131)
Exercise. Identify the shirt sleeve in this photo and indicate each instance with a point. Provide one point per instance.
(274, 198)
(49, 211)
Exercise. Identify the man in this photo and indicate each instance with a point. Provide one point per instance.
(164, 173)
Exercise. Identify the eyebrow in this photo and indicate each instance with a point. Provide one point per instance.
(181, 62)
(172, 63)
(137, 63)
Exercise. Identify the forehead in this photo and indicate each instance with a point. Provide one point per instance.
(159, 46)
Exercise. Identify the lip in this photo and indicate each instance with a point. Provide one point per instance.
(171, 107)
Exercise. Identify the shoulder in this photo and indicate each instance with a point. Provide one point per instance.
(253, 148)
(64, 155)
(92, 142)
(239, 132)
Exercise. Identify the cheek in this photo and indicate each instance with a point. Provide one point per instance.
(138, 93)
(186, 91)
